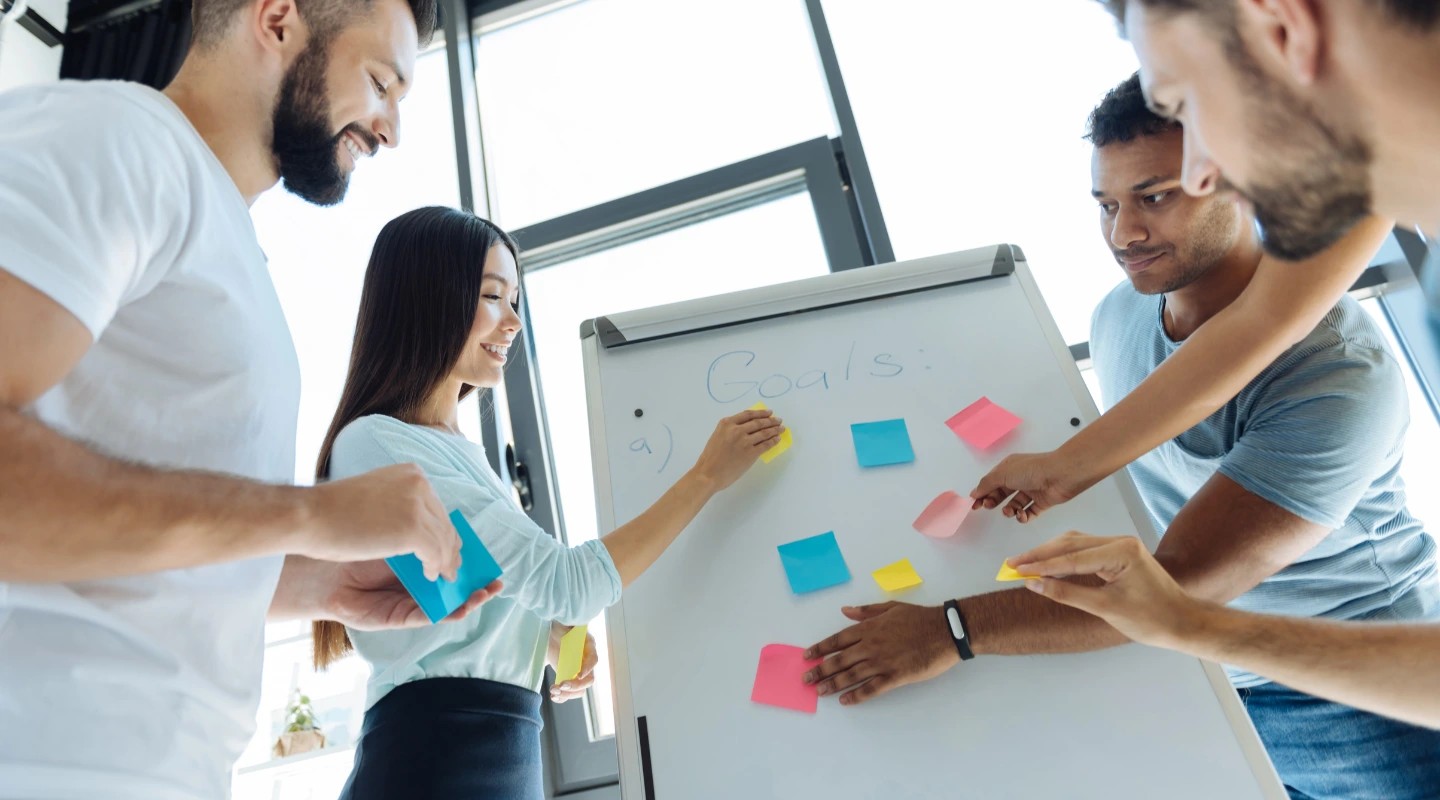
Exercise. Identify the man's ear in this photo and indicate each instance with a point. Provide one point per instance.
(1287, 33)
(276, 27)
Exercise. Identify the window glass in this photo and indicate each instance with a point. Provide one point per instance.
(604, 98)
(972, 116)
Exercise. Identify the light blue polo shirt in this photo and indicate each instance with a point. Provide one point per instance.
(1320, 433)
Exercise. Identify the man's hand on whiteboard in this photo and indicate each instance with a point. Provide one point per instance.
(1038, 481)
(736, 443)
(1138, 598)
(891, 645)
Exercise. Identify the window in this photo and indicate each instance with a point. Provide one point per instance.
(604, 98)
(1421, 466)
(973, 133)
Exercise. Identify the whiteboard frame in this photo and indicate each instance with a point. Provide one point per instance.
(813, 294)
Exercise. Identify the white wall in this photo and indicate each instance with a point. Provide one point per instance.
(24, 59)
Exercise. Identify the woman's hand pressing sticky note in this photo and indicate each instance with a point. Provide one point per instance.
(779, 447)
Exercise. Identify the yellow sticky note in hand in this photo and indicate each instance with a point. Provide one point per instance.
(572, 654)
(1008, 573)
(897, 576)
(779, 447)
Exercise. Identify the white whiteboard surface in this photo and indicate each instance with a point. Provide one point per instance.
(938, 333)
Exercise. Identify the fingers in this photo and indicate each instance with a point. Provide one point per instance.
(1018, 506)
(589, 661)
(576, 687)
(834, 644)
(767, 439)
(444, 557)
(748, 415)
(862, 613)
(847, 678)
(991, 491)
(477, 599)
(565, 692)
(410, 615)
(876, 687)
(1077, 554)
(1068, 542)
(831, 666)
(758, 425)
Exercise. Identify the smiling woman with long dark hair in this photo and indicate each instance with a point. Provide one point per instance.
(454, 709)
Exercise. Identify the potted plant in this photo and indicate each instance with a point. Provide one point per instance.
(301, 734)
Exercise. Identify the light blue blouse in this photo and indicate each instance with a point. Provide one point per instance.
(505, 640)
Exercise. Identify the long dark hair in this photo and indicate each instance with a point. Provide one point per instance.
(422, 287)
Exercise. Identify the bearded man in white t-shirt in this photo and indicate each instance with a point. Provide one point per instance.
(148, 395)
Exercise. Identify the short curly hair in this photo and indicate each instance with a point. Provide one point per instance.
(1123, 115)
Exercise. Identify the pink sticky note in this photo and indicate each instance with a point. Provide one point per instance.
(778, 681)
(942, 518)
(982, 423)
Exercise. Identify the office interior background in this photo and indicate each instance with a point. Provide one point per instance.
(649, 151)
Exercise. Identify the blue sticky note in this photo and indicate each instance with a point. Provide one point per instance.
(814, 563)
(881, 443)
(439, 598)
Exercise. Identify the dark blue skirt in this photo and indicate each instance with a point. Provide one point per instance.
(451, 738)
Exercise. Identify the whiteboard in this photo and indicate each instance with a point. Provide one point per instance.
(918, 340)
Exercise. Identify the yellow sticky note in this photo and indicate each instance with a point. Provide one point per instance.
(897, 576)
(572, 654)
(779, 447)
(1008, 573)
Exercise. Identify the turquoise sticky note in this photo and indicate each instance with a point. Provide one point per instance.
(880, 443)
(814, 563)
(439, 598)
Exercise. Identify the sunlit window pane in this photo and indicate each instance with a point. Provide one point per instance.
(1421, 467)
(605, 98)
(972, 116)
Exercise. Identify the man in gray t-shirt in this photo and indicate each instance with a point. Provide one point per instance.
(1312, 446)
(1288, 499)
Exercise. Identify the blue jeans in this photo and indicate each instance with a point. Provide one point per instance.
(1326, 751)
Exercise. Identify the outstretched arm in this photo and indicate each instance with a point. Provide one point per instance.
(1382, 667)
(1282, 304)
(72, 514)
(731, 450)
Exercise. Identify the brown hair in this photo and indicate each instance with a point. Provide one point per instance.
(421, 290)
(210, 20)
(1423, 15)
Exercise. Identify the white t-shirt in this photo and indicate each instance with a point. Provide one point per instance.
(112, 205)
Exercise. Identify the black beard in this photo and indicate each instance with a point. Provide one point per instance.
(306, 153)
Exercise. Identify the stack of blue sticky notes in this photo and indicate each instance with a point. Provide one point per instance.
(439, 598)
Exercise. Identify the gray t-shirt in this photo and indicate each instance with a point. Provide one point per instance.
(1320, 433)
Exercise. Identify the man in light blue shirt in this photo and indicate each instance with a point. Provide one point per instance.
(1312, 446)
(1286, 500)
